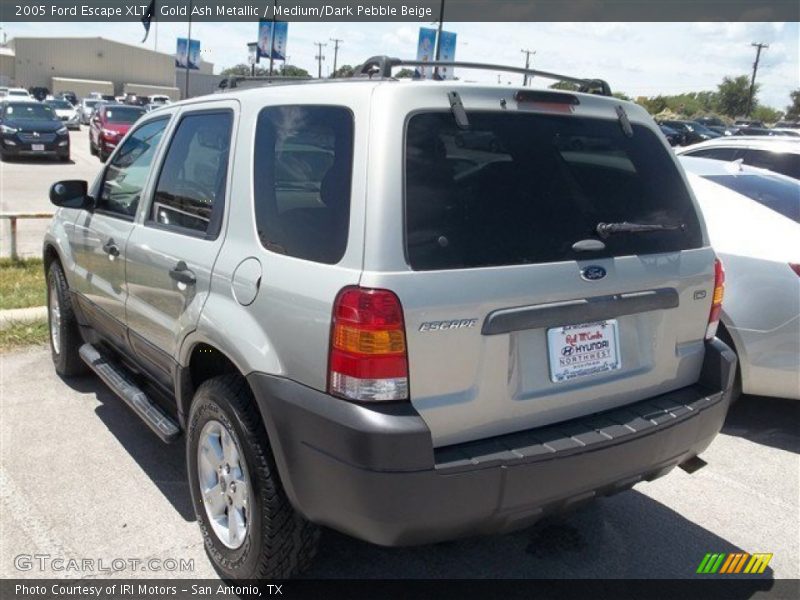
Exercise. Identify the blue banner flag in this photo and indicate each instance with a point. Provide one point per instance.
(425, 51)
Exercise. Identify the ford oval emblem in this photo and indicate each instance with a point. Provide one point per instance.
(593, 273)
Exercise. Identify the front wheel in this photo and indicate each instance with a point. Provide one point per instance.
(249, 527)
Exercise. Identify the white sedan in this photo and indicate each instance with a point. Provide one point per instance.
(760, 251)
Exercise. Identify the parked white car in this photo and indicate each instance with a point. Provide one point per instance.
(760, 251)
(69, 114)
(159, 99)
(773, 190)
(19, 95)
(780, 153)
(786, 131)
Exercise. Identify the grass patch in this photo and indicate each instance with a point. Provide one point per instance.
(24, 333)
(22, 283)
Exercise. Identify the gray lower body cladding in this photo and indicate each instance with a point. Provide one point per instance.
(372, 472)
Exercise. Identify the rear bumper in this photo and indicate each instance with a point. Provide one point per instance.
(372, 472)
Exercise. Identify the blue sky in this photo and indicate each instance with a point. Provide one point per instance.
(636, 58)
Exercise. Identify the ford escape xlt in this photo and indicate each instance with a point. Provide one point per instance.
(359, 321)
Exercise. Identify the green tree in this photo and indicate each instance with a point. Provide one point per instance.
(766, 114)
(793, 110)
(567, 86)
(293, 71)
(242, 69)
(404, 73)
(733, 94)
(344, 71)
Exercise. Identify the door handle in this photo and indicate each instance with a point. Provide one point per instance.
(182, 274)
(111, 248)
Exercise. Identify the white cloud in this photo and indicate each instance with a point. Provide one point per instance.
(637, 58)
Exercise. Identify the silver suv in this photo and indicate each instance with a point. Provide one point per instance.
(406, 310)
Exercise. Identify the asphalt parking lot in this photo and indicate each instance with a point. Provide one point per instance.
(25, 185)
(82, 477)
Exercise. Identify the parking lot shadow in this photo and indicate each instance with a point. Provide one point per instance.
(772, 422)
(38, 160)
(629, 536)
(165, 464)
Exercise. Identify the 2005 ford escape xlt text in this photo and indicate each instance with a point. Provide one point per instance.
(408, 311)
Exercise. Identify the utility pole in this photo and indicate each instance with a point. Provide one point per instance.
(758, 46)
(320, 57)
(527, 54)
(336, 42)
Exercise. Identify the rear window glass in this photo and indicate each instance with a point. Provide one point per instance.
(781, 195)
(522, 188)
(780, 162)
(715, 153)
(302, 173)
(123, 114)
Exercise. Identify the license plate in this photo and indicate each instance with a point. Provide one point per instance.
(580, 350)
(37, 147)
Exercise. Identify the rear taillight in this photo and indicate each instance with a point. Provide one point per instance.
(716, 300)
(795, 267)
(368, 359)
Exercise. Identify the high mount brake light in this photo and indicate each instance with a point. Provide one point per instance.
(368, 359)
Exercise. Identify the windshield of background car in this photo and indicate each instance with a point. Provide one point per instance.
(776, 193)
(59, 104)
(29, 110)
(123, 114)
(90, 103)
(520, 188)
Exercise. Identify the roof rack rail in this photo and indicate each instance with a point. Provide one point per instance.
(382, 66)
(236, 81)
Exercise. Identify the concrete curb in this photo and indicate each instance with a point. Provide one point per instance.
(17, 315)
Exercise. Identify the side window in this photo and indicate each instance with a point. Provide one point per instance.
(126, 175)
(302, 172)
(190, 191)
(779, 162)
(715, 153)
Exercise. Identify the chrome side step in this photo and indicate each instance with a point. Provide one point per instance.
(119, 381)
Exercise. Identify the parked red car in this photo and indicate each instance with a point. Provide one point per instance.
(108, 126)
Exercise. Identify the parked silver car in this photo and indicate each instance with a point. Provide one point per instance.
(86, 108)
(357, 322)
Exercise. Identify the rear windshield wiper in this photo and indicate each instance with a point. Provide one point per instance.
(605, 230)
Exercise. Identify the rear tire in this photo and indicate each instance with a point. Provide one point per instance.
(276, 542)
(65, 337)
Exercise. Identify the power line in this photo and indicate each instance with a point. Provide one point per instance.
(527, 54)
(336, 43)
(320, 57)
(758, 46)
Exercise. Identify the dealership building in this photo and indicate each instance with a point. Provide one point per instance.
(95, 64)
